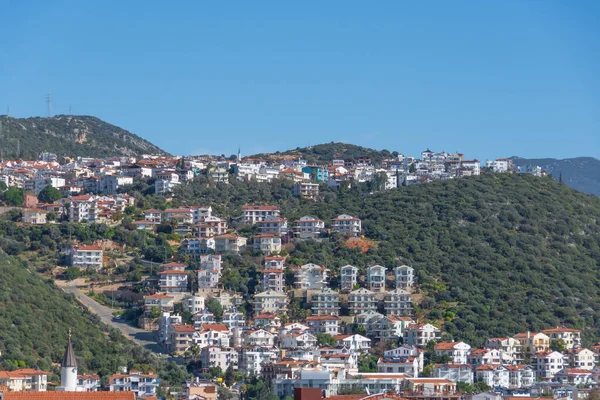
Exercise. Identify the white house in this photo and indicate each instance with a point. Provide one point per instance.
(457, 351)
(266, 243)
(311, 276)
(348, 277)
(308, 227)
(346, 224)
(404, 277)
(454, 372)
(230, 243)
(361, 301)
(324, 324)
(253, 214)
(173, 281)
(355, 343)
(493, 375)
(574, 376)
(398, 302)
(376, 278)
(270, 301)
(420, 334)
(326, 302)
(547, 364)
(87, 257)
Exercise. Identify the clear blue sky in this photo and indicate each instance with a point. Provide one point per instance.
(487, 78)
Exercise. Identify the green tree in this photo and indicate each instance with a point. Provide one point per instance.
(558, 345)
(71, 273)
(325, 339)
(229, 377)
(13, 196)
(215, 307)
(49, 194)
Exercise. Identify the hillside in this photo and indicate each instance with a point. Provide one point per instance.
(494, 254)
(581, 173)
(35, 318)
(326, 152)
(69, 136)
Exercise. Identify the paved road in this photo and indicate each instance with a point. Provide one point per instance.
(140, 336)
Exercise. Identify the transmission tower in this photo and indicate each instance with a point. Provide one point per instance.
(49, 104)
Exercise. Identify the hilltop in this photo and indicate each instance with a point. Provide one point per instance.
(494, 255)
(70, 136)
(581, 173)
(327, 152)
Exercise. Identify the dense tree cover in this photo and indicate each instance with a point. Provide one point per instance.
(494, 254)
(13, 196)
(69, 136)
(325, 153)
(49, 194)
(35, 310)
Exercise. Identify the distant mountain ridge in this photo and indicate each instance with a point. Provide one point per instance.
(67, 135)
(581, 173)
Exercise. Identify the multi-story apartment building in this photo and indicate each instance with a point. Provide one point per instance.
(253, 214)
(308, 227)
(34, 216)
(197, 246)
(270, 301)
(457, 351)
(266, 243)
(420, 334)
(398, 302)
(230, 243)
(83, 209)
(376, 278)
(311, 276)
(87, 257)
(219, 356)
(326, 302)
(153, 215)
(306, 190)
(138, 383)
(324, 324)
(272, 225)
(454, 372)
(346, 224)
(570, 337)
(179, 215)
(348, 277)
(404, 277)
(209, 272)
(547, 364)
(234, 319)
(211, 226)
(274, 279)
(361, 301)
(493, 375)
(520, 376)
(173, 281)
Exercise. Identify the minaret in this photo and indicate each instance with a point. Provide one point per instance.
(68, 370)
(239, 157)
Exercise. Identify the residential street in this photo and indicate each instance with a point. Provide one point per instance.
(139, 336)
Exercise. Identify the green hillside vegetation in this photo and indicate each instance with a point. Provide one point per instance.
(494, 255)
(325, 153)
(581, 173)
(69, 136)
(35, 317)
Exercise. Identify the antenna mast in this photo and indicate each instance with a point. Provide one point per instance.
(49, 104)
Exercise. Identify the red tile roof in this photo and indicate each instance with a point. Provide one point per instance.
(69, 396)
(215, 327)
